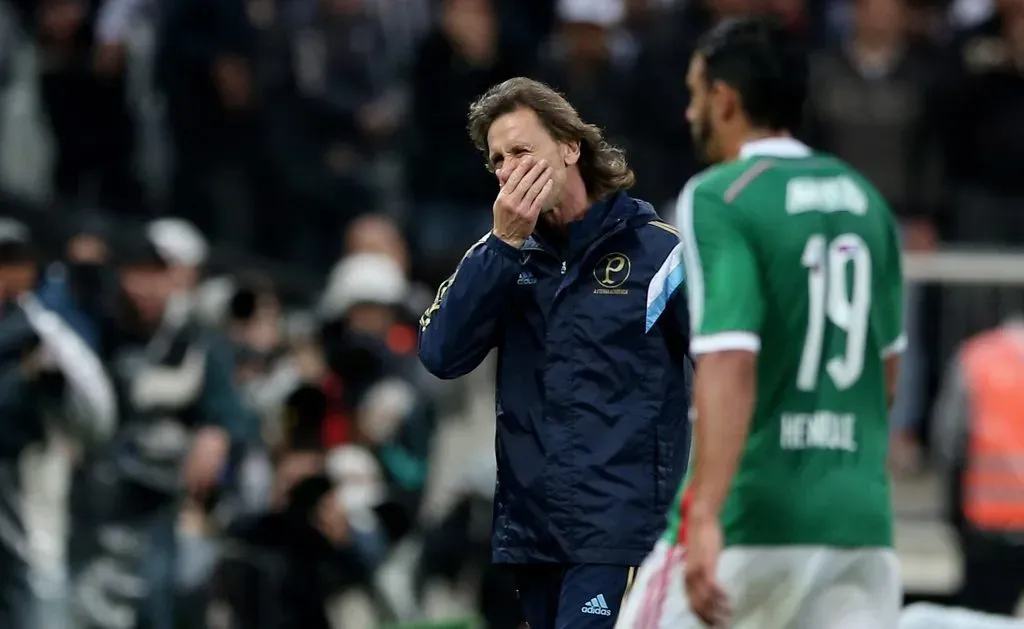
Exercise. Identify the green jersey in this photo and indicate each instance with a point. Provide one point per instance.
(793, 255)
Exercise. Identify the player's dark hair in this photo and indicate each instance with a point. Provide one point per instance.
(759, 58)
(603, 167)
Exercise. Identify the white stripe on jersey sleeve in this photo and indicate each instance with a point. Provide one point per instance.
(725, 341)
(721, 341)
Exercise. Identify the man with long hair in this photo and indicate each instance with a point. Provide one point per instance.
(578, 288)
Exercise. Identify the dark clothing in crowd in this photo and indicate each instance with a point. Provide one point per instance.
(203, 69)
(884, 121)
(588, 83)
(87, 110)
(450, 188)
(660, 145)
(444, 166)
(986, 129)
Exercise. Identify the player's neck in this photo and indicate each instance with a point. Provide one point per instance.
(752, 135)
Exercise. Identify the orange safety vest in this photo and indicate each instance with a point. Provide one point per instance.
(993, 481)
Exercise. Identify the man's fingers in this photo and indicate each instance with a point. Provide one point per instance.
(517, 175)
(542, 198)
(707, 599)
(520, 194)
(536, 194)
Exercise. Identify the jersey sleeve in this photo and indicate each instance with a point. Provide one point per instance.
(723, 286)
(890, 295)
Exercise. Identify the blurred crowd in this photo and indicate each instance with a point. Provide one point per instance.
(324, 143)
(272, 124)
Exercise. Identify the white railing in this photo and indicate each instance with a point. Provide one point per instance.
(966, 267)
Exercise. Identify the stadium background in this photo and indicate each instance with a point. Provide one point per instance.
(273, 125)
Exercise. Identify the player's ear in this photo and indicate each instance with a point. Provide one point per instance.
(570, 152)
(724, 100)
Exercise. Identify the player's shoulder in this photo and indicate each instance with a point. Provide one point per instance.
(712, 192)
(715, 180)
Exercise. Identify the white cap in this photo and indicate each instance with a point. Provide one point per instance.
(599, 12)
(363, 278)
(179, 242)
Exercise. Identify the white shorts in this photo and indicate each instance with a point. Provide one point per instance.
(806, 587)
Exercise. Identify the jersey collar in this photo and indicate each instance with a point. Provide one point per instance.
(775, 147)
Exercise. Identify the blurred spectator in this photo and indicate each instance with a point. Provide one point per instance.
(204, 71)
(254, 324)
(458, 60)
(529, 23)
(979, 443)
(373, 398)
(263, 368)
(367, 290)
(808, 20)
(83, 89)
(79, 286)
(376, 233)
(589, 56)
(318, 536)
(350, 109)
(872, 102)
(985, 141)
(47, 372)
(181, 414)
(986, 130)
(659, 143)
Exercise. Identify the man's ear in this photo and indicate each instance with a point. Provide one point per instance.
(570, 153)
(725, 101)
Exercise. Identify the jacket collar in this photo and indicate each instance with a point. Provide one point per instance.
(600, 217)
(603, 216)
(775, 147)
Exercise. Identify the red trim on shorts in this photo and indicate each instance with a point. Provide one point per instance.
(657, 591)
(659, 604)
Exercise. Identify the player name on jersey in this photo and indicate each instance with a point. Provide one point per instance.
(824, 194)
(822, 430)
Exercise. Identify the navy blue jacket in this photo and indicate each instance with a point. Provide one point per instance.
(592, 383)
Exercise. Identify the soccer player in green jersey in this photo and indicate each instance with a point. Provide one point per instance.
(794, 282)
